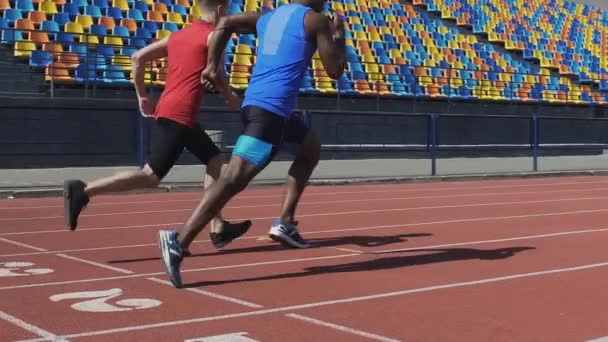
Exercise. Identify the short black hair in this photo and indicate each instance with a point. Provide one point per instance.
(210, 4)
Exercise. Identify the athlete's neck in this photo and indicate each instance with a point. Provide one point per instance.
(211, 18)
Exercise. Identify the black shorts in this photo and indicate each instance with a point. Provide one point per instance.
(265, 133)
(173, 138)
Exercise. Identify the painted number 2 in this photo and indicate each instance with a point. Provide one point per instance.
(100, 299)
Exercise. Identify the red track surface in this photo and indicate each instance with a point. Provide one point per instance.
(511, 260)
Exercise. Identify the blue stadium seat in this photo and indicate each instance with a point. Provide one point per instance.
(50, 26)
(64, 37)
(93, 11)
(179, 9)
(103, 4)
(127, 51)
(115, 75)
(40, 59)
(345, 85)
(135, 14)
(79, 49)
(71, 9)
(80, 3)
(11, 36)
(121, 31)
(150, 26)
(137, 43)
(86, 73)
(141, 32)
(114, 12)
(61, 18)
(98, 30)
(142, 6)
(170, 26)
(106, 51)
(24, 5)
(11, 15)
(3, 23)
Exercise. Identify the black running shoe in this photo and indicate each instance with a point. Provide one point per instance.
(229, 232)
(74, 201)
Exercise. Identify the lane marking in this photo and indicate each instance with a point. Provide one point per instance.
(211, 294)
(154, 274)
(97, 301)
(304, 203)
(342, 328)
(89, 262)
(30, 327)
(484, 204)
(339, 301)
(601, 339)
(390, 189)
(349, 250)
(480, 242)
(21, 244)
(340, 230)
(530, 237)
(21, 269)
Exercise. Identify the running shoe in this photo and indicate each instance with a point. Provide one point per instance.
(229, 232)
(74, 201)
(287, 234)
(172, 255)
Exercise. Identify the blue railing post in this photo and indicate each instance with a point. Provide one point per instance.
(141, 146)
(433, 143)
(535, 142)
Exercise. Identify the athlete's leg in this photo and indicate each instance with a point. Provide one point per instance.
(200, 144)
(303, 166)
(164, 155)
(305, 145)
(233, 180)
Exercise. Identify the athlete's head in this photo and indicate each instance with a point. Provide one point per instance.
(316, 5)
(214, 8)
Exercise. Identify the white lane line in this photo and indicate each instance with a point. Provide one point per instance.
(304, 203)
(453, 206)
(340, 230)
(601, 339)
(390, 189)
(85, 261)
(21, 244)
(154, 274)
(30, 327)
(341, 301)
(212, 294)
(476, 242)
(342, 328)
(481, 242)
(349, 250)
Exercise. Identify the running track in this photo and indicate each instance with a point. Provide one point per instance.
(509, 260)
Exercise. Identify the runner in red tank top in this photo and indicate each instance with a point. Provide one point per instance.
(177, 119)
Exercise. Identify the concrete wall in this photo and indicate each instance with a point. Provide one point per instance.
(598, 3)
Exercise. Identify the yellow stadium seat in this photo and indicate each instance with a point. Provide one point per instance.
(87, 39)
(352, 7)
(325, 85)
(374, 72)
(48, 7)
(243, 49)
(123, 61)
(369, 58)
(195, 10)
(385, 30)
(425, 80)
(337, 6)
(150, 3)
(251, 5)
(122, 4)
(429, 63)
(394, 53)
(85, 20)
(360, 35)
(175, 18)
(354, 20)
(114, 41)
(74, 28)
(452, 44)
(162, 34)
(24, 48)
(456, 82)
(242, 60)
(374, 37)
(147, 77)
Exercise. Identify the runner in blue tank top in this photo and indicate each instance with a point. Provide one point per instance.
(287, 40)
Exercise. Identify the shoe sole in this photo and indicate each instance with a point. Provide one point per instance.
(166, 258)
(223, 244)
(68, 190)
(286, 240)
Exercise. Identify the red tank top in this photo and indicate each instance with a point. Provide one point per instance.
(181, 98)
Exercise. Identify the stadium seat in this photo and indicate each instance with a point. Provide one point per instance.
(24, 48)
(58, 73)
(12, 15)
(40, 59)
(24, 5)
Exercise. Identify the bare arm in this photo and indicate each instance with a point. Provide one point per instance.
(139, 59)
(239, 23)
(331, 45)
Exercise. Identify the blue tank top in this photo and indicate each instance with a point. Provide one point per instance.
(283, 55)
